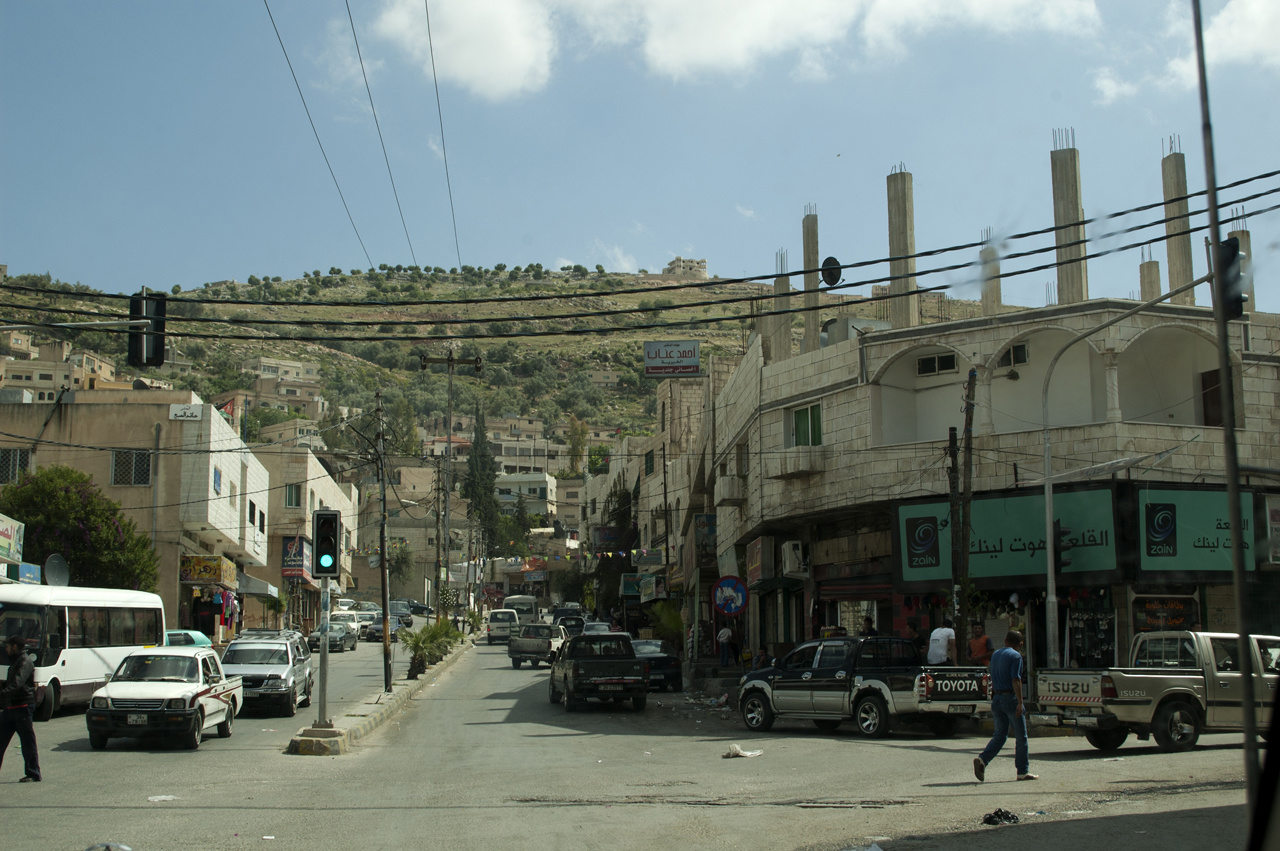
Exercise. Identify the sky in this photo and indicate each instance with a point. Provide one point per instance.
(154, 144)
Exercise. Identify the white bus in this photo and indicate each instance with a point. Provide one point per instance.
(525, 606)
(77, 636)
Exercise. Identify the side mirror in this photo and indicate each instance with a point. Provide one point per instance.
(107, 678)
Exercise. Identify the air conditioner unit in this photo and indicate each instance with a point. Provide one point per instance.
(795, 559)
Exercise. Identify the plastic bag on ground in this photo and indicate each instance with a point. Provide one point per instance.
(735, 750)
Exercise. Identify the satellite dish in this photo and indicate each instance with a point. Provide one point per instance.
(831, 271)
(56, 571)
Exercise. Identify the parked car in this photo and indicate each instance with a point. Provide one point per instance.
(601, 666)
(275, 665)
(351, 618)
(400, 611)
(366, 606)
(186, 638)
(342, 637)
(664, 664)
(374, 632)
(363, 619)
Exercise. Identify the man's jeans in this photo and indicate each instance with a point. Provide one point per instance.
(1003, 709)
(19, 721)
(726, 653)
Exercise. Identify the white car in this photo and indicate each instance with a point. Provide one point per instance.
(350, 619)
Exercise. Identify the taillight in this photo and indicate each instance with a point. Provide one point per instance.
(986, 685)
(926, 686)
(1108, 688)
(576, 669)
(646, 669)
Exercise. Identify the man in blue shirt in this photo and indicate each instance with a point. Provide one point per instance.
(1007, 709)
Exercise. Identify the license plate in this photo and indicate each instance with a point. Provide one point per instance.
(961, 708)
(610, 688)
(136, 719)
(251, 692)
(1074, 711)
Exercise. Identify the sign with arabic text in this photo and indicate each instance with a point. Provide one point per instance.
(672, 360)
(1190, 530)
(186, 412)
(11, 532)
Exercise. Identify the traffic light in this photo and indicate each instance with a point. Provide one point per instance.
(146, 343)
(326, 529)
(1231, 291)
(1061, 561)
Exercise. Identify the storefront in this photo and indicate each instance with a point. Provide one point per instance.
(208, 600)
(302, 604)
(264, 595)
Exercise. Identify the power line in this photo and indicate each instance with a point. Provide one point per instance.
(317, 134)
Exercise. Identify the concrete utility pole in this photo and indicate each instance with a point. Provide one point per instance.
(966, 521)
(382, 551)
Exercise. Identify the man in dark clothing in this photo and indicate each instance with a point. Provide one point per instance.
(17, 707)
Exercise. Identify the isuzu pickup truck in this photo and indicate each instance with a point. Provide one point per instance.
(169, 691)
(1179, 685)
(865, 680)
(537, 642)
(602, 665)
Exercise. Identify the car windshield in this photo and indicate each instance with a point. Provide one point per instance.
(155, 667)
(646, 647)
(538, 631)
(255, 655)
(595, 627)
(601, 647)
(502, 617)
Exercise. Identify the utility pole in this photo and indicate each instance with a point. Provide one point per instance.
(382, 550)
(953, 488)
(966, 522)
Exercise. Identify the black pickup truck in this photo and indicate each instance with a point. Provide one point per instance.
(602, 665)
(866, 680)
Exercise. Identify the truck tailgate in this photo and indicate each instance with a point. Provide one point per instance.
(1067, 687)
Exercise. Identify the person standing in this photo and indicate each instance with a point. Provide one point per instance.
(725, 639)
(1007, 709)
(17, 707)
(942, 644)
(980, 646)
(913, 635)
(868, 627)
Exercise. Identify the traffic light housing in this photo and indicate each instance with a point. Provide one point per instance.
(1231, 290)
(1061, 561)
(326, 532)
(146, 342)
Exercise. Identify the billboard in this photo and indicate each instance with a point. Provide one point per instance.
(297, 558)
(704, 539)
(672, 360)
(11, 532)
(1190, 530)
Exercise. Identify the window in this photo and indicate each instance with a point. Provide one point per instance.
(262, 521)
(12, 463)
(648, 462)
(46, 376)
(1014, 355)
(293, 496)
(253, 513)
(131, 467)
(571, 495)
(740, 458)
(217, 480)
(934, 364)
(806, 426)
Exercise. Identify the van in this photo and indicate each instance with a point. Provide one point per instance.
(500, 624)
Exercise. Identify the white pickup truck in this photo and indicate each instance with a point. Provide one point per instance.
(1179, 685)
(169, 691)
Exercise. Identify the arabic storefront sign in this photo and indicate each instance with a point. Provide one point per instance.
(630, 586)
(207, 570)
(1007, 536)
(652, 587)
(534, 576)
(1152, 613)
(671, 360)
(186, 412)
(11, 532)
(1184, 530)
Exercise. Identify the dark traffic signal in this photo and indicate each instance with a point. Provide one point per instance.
(146, 342)
(1061, 561)
(1231, 290)
(326, 530)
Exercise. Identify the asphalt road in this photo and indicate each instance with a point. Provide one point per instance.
(481, 760)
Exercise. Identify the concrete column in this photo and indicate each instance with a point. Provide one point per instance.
(1246, 262)
(1111, 363)
(903, 312)
(990, 281)
(1173, 171)
(780, 334)
(1068, 211)
(812, 325)
(1149, 279)
(985, 424)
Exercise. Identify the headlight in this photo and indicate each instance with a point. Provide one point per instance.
(176, 703)
(742, 679)
(99, 703)
(271, 677)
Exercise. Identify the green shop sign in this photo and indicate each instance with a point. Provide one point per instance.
(1185, 531)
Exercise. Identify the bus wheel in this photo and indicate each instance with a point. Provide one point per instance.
(50, 702)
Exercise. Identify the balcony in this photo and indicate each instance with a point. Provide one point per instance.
(796, 462)
(731, 490)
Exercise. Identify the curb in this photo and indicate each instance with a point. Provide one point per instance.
(363, 719)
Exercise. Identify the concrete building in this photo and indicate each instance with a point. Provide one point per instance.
(293, 433)
(682, 268)
(537, 489)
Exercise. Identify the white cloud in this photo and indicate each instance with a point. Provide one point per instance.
(889, 22)
(1244, 32)
(496, 49)
(339, 59)
(615, 258)
(745, 212)
(1111, 88)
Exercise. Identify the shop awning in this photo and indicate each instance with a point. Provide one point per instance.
(251, 586)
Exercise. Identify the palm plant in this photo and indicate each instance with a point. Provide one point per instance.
(428, 645)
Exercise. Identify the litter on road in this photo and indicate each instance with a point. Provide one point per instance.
(736, 750)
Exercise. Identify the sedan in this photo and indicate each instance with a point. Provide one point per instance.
(341, 638)
(366, 618)
(374, 632)
(664, 664)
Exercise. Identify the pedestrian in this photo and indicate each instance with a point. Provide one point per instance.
(762, 660)
(725, 639)
(1007, 709)
(942, 644)
(17, 707)
(868, 627)
(913, 635)
(980, 646)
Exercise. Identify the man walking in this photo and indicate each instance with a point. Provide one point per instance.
(725, 639)
(1007, 709)
(17, 707)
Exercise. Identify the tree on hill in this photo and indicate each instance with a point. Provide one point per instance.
(577, 442)
(479, 483)
(67, 514)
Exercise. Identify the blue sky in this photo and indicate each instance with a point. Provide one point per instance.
(165, 143)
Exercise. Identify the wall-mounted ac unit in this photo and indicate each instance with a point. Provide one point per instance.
(795, 559)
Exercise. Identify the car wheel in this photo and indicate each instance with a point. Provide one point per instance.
(291, 704)
(50, 702)
(757, 714)
(1176, 726)
(872, 716)
(191, 739)
(638, 702)
(553, 695)
(515, 663)
(1107, 740)
(306, 695)
(224, 729)
(97, 741)
(827, 725)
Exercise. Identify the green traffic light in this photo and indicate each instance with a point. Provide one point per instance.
(326, 560)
